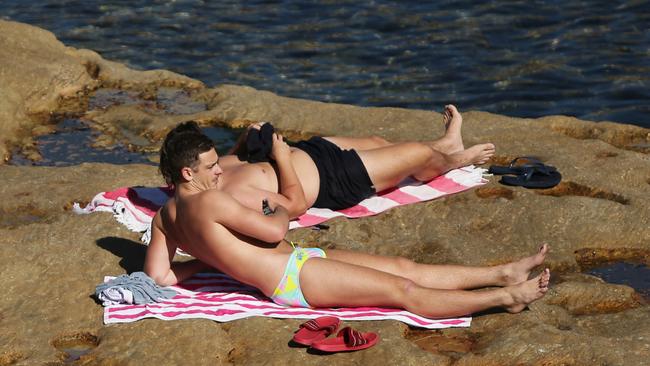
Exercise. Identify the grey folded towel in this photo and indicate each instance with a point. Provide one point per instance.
(136, 288)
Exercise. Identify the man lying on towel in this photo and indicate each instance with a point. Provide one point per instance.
(220, 232)
(339, 172)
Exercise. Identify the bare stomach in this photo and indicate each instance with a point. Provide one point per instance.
(246, 182)
(307, 174)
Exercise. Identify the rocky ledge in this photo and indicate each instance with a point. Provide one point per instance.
(51, 259)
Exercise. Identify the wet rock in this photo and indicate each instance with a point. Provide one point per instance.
(38, 71)
(41, 77)
(76, 345)
(453, 343)
(582, 298)
(591, 257)
(495, 192)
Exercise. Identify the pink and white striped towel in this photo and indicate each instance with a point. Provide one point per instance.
(216, 296)
(136, 206)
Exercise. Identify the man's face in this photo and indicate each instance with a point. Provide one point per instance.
(207, 171)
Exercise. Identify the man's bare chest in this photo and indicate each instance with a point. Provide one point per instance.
(259, 176)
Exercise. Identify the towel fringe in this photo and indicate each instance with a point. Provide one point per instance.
(76, 208)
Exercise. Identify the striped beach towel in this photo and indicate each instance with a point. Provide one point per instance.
(136, 206)
(216, 296)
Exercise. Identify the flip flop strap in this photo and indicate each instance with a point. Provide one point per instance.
(314, 326)
(352, 337)
(531, 169)
(529, 158)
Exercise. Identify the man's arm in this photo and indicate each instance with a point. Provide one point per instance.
(292, 195)
(252, 223)
(158, 261)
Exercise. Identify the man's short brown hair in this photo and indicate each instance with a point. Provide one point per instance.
(181, 148)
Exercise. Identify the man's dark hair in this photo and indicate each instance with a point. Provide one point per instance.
(181, 148)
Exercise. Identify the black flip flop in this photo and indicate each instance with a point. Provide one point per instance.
(517, 169)
(533, 175)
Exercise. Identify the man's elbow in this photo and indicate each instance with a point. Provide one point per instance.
(159, 277)
(298, 208)
(277, 233)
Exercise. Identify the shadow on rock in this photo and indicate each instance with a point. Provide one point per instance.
(132, 253)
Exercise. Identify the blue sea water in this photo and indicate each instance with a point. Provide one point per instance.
(634, 275)
(589, 59)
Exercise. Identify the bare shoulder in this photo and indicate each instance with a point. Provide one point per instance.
(162, 216)
(160, 233)
(217, 202)
(229, 161)
(215, 196)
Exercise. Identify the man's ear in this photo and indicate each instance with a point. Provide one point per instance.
(187, 173)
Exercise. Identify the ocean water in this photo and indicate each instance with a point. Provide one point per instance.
(589, 59)
(635, 275)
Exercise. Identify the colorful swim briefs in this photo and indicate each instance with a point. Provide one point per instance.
(288, 291)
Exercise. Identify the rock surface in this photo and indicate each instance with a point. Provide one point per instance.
(51, 259)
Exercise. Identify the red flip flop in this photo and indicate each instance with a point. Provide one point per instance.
(347, 340)
(316, 330)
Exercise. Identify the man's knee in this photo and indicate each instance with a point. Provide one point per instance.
(404, 293)
(379, 140)
(398, 289)
(422, 152)
(405, 267)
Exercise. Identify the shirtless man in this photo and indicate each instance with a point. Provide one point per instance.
(339, 172)
(242, 242)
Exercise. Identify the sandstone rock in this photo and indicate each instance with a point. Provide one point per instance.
(37, 72)
(40, 76)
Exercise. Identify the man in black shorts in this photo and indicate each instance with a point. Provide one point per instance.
(344, 180)
(339, 172)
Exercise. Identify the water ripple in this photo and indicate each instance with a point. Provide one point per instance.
(587, 59)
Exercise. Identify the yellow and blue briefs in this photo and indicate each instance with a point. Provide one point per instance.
(288, 291)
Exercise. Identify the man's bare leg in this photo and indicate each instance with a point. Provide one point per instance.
(387, 166)
(329, 283)
(450, 143)
(389, 163)
(450, 277)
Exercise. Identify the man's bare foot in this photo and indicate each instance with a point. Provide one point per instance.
(518, 272)
(452, 141)
(526, 292)
(477, 154)
(453, 124)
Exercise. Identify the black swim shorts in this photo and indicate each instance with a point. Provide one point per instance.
(344, 180)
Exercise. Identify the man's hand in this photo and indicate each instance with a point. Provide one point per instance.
(266, 209)
(280, 150)
(290, 188)
(281, 211)
(255, 126)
